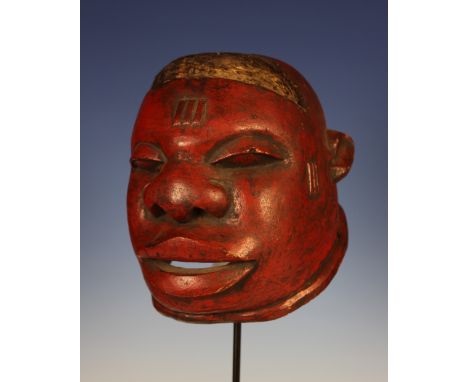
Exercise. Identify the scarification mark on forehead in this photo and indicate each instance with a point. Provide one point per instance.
(189, 112)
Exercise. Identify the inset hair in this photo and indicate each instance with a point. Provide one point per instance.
(250, 69)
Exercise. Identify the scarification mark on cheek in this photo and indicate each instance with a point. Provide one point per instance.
(190, 112)
(313, 186)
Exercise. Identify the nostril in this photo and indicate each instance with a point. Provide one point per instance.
(197, 212)
(193, 214)
(157, 211)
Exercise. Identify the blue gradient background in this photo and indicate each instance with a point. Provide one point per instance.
(341, 48)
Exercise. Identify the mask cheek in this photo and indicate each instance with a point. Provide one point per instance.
(140, 228)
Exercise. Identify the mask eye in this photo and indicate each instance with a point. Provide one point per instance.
(248, 159)
(148, 165)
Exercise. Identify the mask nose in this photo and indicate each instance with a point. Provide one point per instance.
(184, 194)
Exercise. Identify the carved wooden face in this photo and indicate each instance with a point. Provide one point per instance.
(241, 179)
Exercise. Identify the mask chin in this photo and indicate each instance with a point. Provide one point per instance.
(314, 286)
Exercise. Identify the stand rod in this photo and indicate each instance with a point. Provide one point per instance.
(236, 352)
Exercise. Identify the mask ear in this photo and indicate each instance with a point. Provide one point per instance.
(342, 150)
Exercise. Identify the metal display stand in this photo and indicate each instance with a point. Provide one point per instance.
(236, 352)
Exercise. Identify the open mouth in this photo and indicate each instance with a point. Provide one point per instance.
(190, 267)
(194, 264)
(187, 268)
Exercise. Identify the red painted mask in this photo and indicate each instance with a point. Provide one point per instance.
(232, 166)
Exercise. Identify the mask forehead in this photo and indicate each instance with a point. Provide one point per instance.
(198, 114)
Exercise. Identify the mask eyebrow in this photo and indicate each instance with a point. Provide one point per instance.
(243, 142)
(152, 145)
(144, 146)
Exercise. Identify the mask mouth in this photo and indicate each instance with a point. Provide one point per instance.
(193, 268)
(197, 253)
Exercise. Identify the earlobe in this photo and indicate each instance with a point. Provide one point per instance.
(342, 150)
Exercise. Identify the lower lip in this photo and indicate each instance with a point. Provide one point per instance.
(193, 282)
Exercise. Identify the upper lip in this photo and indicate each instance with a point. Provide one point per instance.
(204, 250)
(181, 248)
(163, 236)
(166, 232)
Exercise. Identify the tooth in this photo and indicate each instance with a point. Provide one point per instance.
(219, 264)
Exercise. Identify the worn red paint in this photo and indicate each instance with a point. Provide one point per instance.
(235, 189)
